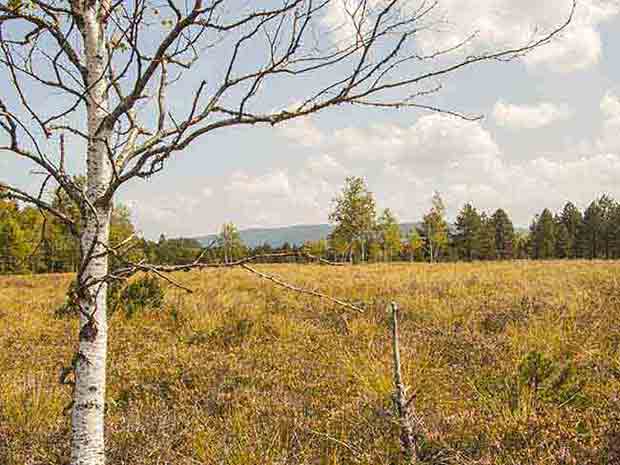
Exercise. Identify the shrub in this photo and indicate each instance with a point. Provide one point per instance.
(145, 292)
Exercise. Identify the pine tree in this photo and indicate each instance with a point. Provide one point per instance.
(544, 236)
(591, 236)
(521, 245)
(573, 221)
(487, 238)
(562, 239)
(607, 206)
(615, 231)
(504, 234)
(467, 237)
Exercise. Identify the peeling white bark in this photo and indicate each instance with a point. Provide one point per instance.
(87, 445)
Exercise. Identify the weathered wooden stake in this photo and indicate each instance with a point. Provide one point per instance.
(402, 406)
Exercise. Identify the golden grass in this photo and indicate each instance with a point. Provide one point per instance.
(511, 363)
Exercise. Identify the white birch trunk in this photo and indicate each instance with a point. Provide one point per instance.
(87, 444)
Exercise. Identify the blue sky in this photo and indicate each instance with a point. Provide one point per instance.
(551, 133)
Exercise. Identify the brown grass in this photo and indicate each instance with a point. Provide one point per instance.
(512, 363)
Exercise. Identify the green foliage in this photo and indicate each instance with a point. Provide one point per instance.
(415, 244)
(317, 248)
(549, 381)
(504, 234)
(229, 241)
(31, 243)
(488, 247)
(543, 235)
(435, 228)
(562, 239)
(468, 233)
(388, 232)
(143, 293)
(354, 215)
(572, 220)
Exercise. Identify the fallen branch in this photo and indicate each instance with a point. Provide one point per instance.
(286, 285)
(163, 271)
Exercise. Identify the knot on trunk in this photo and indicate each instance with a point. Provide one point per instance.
(89, 331)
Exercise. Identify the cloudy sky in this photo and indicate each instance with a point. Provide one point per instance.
(550, 133)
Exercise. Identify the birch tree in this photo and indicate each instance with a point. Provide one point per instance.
(229, 240)
(104, 75)
(354, 215)
(435, 228)
(388, 234)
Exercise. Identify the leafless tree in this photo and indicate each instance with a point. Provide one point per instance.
(103, 73)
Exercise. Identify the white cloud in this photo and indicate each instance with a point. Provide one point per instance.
(271, 184)
(342, 16)
(302, 131)
(610, 106)
(529, 116)
(403, 165)
(609, 138)
(510, 23)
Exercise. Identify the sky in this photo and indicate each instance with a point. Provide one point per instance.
(550, 133)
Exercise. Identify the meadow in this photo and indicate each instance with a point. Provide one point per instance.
(510, 363)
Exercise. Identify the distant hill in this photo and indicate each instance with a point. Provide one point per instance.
(294, 235)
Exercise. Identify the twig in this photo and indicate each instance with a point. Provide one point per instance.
(286, 285)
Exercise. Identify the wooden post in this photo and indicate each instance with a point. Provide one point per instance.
(401, 405)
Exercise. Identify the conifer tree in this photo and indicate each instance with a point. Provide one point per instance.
(573, 221)
(488, 250)
(521, 245)
(615, 231)
(467, 233)
(607, 206)
(544, 235)
(562, 239)
(591, 237)
(504, 234)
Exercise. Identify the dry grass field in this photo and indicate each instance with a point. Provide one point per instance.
(511, 363)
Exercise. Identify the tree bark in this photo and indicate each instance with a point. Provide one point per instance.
(87, 442)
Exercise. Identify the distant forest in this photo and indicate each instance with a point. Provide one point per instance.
(31, 243)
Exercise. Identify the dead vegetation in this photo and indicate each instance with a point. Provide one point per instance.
(510, 363)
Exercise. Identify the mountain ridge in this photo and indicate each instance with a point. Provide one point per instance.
(295, 235)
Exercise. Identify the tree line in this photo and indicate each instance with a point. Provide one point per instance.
(33, 243)
(363, 234)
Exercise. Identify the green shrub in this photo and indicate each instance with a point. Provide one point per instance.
(143, 293)
(550, 381)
